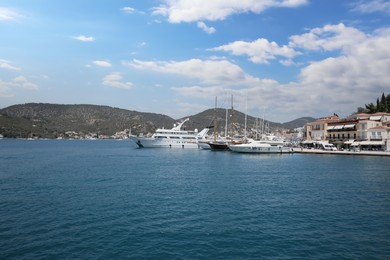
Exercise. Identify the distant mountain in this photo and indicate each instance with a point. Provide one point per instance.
(53, 120)
(298, 122)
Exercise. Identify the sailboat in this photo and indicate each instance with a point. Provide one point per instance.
(214, 144)
(223, 144)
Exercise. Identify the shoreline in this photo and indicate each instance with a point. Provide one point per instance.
(316, 151)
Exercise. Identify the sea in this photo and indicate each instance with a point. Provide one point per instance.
(107, 199)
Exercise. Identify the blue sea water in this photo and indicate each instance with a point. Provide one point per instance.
(109, 200)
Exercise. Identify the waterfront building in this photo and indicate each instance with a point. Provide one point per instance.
(364, 126)
(379, 137)
(362, 131)
(342, 131)
(317, 130)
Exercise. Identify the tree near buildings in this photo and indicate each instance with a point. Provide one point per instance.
(370, 108)
(382, 105)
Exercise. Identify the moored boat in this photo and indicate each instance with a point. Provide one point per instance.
(261, 146)
(219, 146)
(172, 138)
(223, 145)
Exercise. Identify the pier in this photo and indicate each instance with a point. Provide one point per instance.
(346, 152)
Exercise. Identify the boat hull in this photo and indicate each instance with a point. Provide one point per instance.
(255, 149)
(204, 145)
(166, 143)
(219, 146)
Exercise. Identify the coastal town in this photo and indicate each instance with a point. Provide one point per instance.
(360, 132)
(367, 130)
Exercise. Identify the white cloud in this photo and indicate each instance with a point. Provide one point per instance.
(204, 27)
(17, 82)
(128, 10)
(207, 71)
(355, 76)
(351, 78)
(114, 80)
(114, 76)
(288, 62)
(102, 63)
(179, 11)
(328, 38)
(187, 108)
(345, 82)
(363, 67)
(6, 65)
(372, 6)
(7, 14)
(83, 38)
(291, 3)
(258, 51)
(22, 82)
(41, 77)
(5, 90)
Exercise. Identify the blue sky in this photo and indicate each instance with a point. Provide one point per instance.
(280, 58)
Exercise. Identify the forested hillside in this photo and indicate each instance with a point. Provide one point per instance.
(51, 120)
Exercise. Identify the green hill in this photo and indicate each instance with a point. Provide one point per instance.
(51, 120)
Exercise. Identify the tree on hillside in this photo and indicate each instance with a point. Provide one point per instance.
(388, 102)
(370, 108)
(382, 105)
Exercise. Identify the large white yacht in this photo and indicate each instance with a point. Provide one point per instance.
(172, 138)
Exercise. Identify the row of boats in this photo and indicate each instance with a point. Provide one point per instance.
(177, 137)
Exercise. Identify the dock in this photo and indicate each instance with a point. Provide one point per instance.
(318, 151)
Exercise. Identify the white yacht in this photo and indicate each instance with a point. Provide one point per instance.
(172, 138)
(261, 146)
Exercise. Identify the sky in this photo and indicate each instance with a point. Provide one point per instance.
(279, 59)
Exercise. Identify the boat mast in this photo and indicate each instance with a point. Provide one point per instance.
(226, 121)
(246, 117)
(263, 125)
(232, 129)
(215, 121)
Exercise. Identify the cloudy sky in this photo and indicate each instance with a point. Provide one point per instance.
(280, 58)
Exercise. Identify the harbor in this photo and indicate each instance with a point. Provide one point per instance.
(129, 203)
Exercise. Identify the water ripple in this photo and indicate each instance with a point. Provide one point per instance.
(83, 200)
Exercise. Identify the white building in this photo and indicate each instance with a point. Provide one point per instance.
(366, 131)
